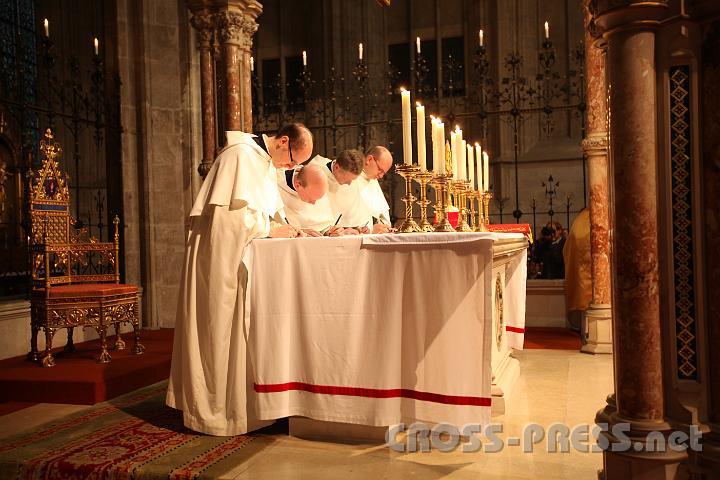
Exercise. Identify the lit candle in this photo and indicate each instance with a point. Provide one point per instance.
(407, 133)
(482, 43)
(462, 173)
(434, 139)
(453, 153)
(97, 45)
(421, 136)
(486, 172)
(359, 51)
(471, 166)
(252, 64)
(441, 147)
(304, 54)
(47, 28)
(417, 44)
(478, 165)
(547, 30)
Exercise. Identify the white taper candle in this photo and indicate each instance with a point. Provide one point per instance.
(420, 119)
(407, 132)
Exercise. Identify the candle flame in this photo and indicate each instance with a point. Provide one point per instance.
(418, 104)
(457, 128)
(402, 89)
(477, 144)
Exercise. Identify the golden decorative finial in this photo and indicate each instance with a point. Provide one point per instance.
(49, 183)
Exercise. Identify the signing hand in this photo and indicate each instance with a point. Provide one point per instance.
(381, 228)
(311, 233)
(284, 231)
(334, 231)
(350, 231)
(363, 230)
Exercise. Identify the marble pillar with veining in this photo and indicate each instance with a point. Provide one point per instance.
(595, 146)
(205, 27)
(236, 30)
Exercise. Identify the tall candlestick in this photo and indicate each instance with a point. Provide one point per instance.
(422, 160)
(478, 166)
(97, 45)
(407, 133)
(433, 138)
(471, 166)
(304, 55)
(463, 160)
(453, 153)
(46, 24)
(547, 30)
(441, 147)
(486, 172)
(360, 51)
(252, 64)
(417, 44)
(482, 43)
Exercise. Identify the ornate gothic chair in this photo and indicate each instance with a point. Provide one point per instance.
(76, 279)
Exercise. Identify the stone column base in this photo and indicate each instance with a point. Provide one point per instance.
(599, 327)
(633, 453)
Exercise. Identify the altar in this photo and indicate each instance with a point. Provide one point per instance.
(377, 330)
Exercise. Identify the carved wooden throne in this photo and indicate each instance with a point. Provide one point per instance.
(72, 272)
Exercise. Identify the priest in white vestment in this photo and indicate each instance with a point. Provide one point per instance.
(322, 215)
(211, 376)
(368, 210)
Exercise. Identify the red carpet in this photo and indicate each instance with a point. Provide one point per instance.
(551, 338)
(76, 378)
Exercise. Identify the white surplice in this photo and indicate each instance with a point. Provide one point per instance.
(211, 374)
(368, 202)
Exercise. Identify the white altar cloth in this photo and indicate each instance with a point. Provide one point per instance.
(374, 330)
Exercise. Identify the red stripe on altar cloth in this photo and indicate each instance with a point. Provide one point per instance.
(374, 393)
(514, 329)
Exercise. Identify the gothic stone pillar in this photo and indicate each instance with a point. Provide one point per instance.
(595, 146)
(236, 28)
(629, 30)
(203, 23)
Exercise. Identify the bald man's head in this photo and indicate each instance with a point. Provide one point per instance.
(310, 183)
(378, 161)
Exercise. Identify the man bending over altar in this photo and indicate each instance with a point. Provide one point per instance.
(368, 210)
(238, 202)
(321, 216)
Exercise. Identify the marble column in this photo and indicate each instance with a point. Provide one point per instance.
(236, 29)
(595, 146)
(203, 23)
(639, 398)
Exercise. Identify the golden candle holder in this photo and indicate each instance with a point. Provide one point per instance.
(486, 196)
(461, 187)
(423, 177)
(408, 172)
(441, 184)
(471, 195)
(482, 220)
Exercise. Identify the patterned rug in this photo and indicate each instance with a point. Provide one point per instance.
(135, 436)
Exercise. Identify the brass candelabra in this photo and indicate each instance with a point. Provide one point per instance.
(423, 178)
(441, 184)
(408, 172)
(461, 188)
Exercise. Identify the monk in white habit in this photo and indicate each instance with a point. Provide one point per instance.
(211, 376)
(369, 211)
(321, 216)
(303, 189)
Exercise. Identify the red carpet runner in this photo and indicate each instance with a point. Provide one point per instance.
(551, 338)
(76, 378)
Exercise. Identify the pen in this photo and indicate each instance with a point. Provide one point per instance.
(338, 220)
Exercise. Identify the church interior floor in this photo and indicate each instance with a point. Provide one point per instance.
(555, 386)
